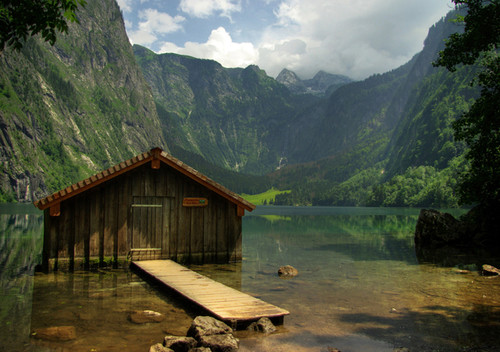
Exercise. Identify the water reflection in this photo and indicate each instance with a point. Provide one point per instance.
(98, 305)
(364, 237)
(20, 252)
(361, 287)
(360, 279)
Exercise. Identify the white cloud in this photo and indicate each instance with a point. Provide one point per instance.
(125, 5)
(206, 8)
(357, 38)
(159, 22)
(152, 24)
(219, 47)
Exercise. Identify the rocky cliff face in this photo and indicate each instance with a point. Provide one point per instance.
(234, 118)
(426, 106)
(74, 108)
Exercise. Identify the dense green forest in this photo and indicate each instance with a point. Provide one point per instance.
(422, 161)
(399, 149)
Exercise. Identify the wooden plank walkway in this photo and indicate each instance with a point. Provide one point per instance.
(223, 302)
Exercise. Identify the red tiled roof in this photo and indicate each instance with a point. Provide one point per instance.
(141, 159)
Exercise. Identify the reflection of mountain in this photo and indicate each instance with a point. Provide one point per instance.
(361, 238)
(20, 251)
(20, 244)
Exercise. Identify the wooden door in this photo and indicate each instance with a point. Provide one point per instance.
(150, 222)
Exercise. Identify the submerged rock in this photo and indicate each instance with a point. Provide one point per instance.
(179, 343)
(55, 333)
(287, 271)
(146, 316)
(490, 269)
(262, 325)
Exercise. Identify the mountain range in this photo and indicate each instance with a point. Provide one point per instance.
(93, 100)
(323, 83)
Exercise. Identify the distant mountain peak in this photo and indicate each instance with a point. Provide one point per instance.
(288, 77)
(323, 83)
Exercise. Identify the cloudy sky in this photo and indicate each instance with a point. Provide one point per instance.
(356, 38)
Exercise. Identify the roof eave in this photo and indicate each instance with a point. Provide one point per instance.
(139, 160)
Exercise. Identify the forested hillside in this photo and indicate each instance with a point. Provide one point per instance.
(391, 141)
(69, 110)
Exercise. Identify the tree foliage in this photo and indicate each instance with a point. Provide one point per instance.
(20, 19)
(480, 126)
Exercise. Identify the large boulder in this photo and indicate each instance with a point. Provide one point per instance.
(205, 326)
(444, 240)
(479, 228)
(435, 228)
(213, 334)
(482, 225)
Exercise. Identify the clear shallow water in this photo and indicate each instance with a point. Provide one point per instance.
(361, 287)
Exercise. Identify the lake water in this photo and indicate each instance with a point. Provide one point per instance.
(361, 287)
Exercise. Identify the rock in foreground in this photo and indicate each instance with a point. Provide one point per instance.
(262, 325)
(436, 228)
(179, 343)
(478, 228)
(206, 334)
(287, 272)
(145, 316)
(56, 333)
(220, 343)
(205, 326)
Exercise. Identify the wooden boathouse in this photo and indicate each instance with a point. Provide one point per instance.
(152, 206)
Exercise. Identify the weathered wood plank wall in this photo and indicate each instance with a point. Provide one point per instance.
(142, 209)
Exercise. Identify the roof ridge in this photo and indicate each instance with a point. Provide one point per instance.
(138, 160)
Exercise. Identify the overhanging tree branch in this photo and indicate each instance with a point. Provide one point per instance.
(20, 19)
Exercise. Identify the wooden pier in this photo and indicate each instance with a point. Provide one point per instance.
(223, 302)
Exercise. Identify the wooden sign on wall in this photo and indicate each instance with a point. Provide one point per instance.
(194, 202)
